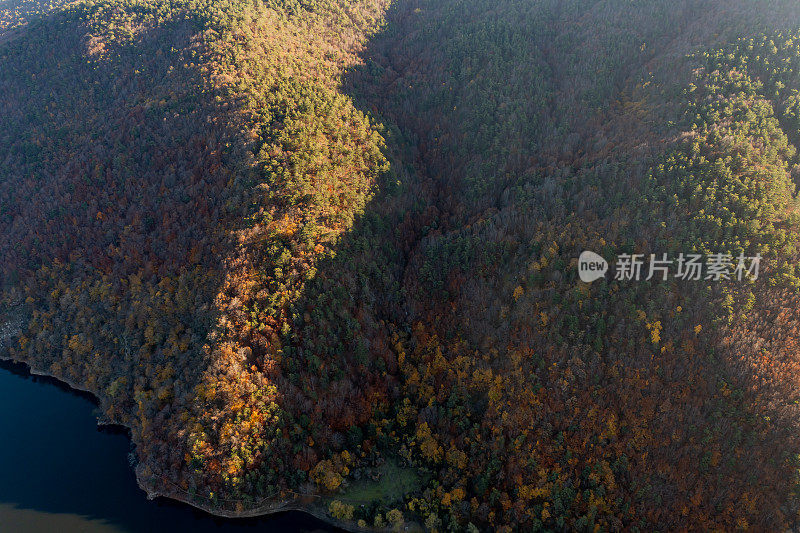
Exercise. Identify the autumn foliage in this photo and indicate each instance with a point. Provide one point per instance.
(294, 244)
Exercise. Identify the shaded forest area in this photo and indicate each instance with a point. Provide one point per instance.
(301, 247)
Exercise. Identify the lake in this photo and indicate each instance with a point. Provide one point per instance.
(60, 472)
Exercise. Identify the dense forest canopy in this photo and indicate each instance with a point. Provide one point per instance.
(323, 253)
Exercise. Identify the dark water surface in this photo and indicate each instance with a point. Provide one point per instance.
(60, 473)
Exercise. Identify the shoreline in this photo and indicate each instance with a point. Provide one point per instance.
(152, 492)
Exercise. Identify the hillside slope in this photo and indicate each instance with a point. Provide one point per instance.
(324, 253)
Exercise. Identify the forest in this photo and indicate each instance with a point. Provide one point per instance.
(323, 253)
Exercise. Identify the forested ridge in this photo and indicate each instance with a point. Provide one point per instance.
(323, 253)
